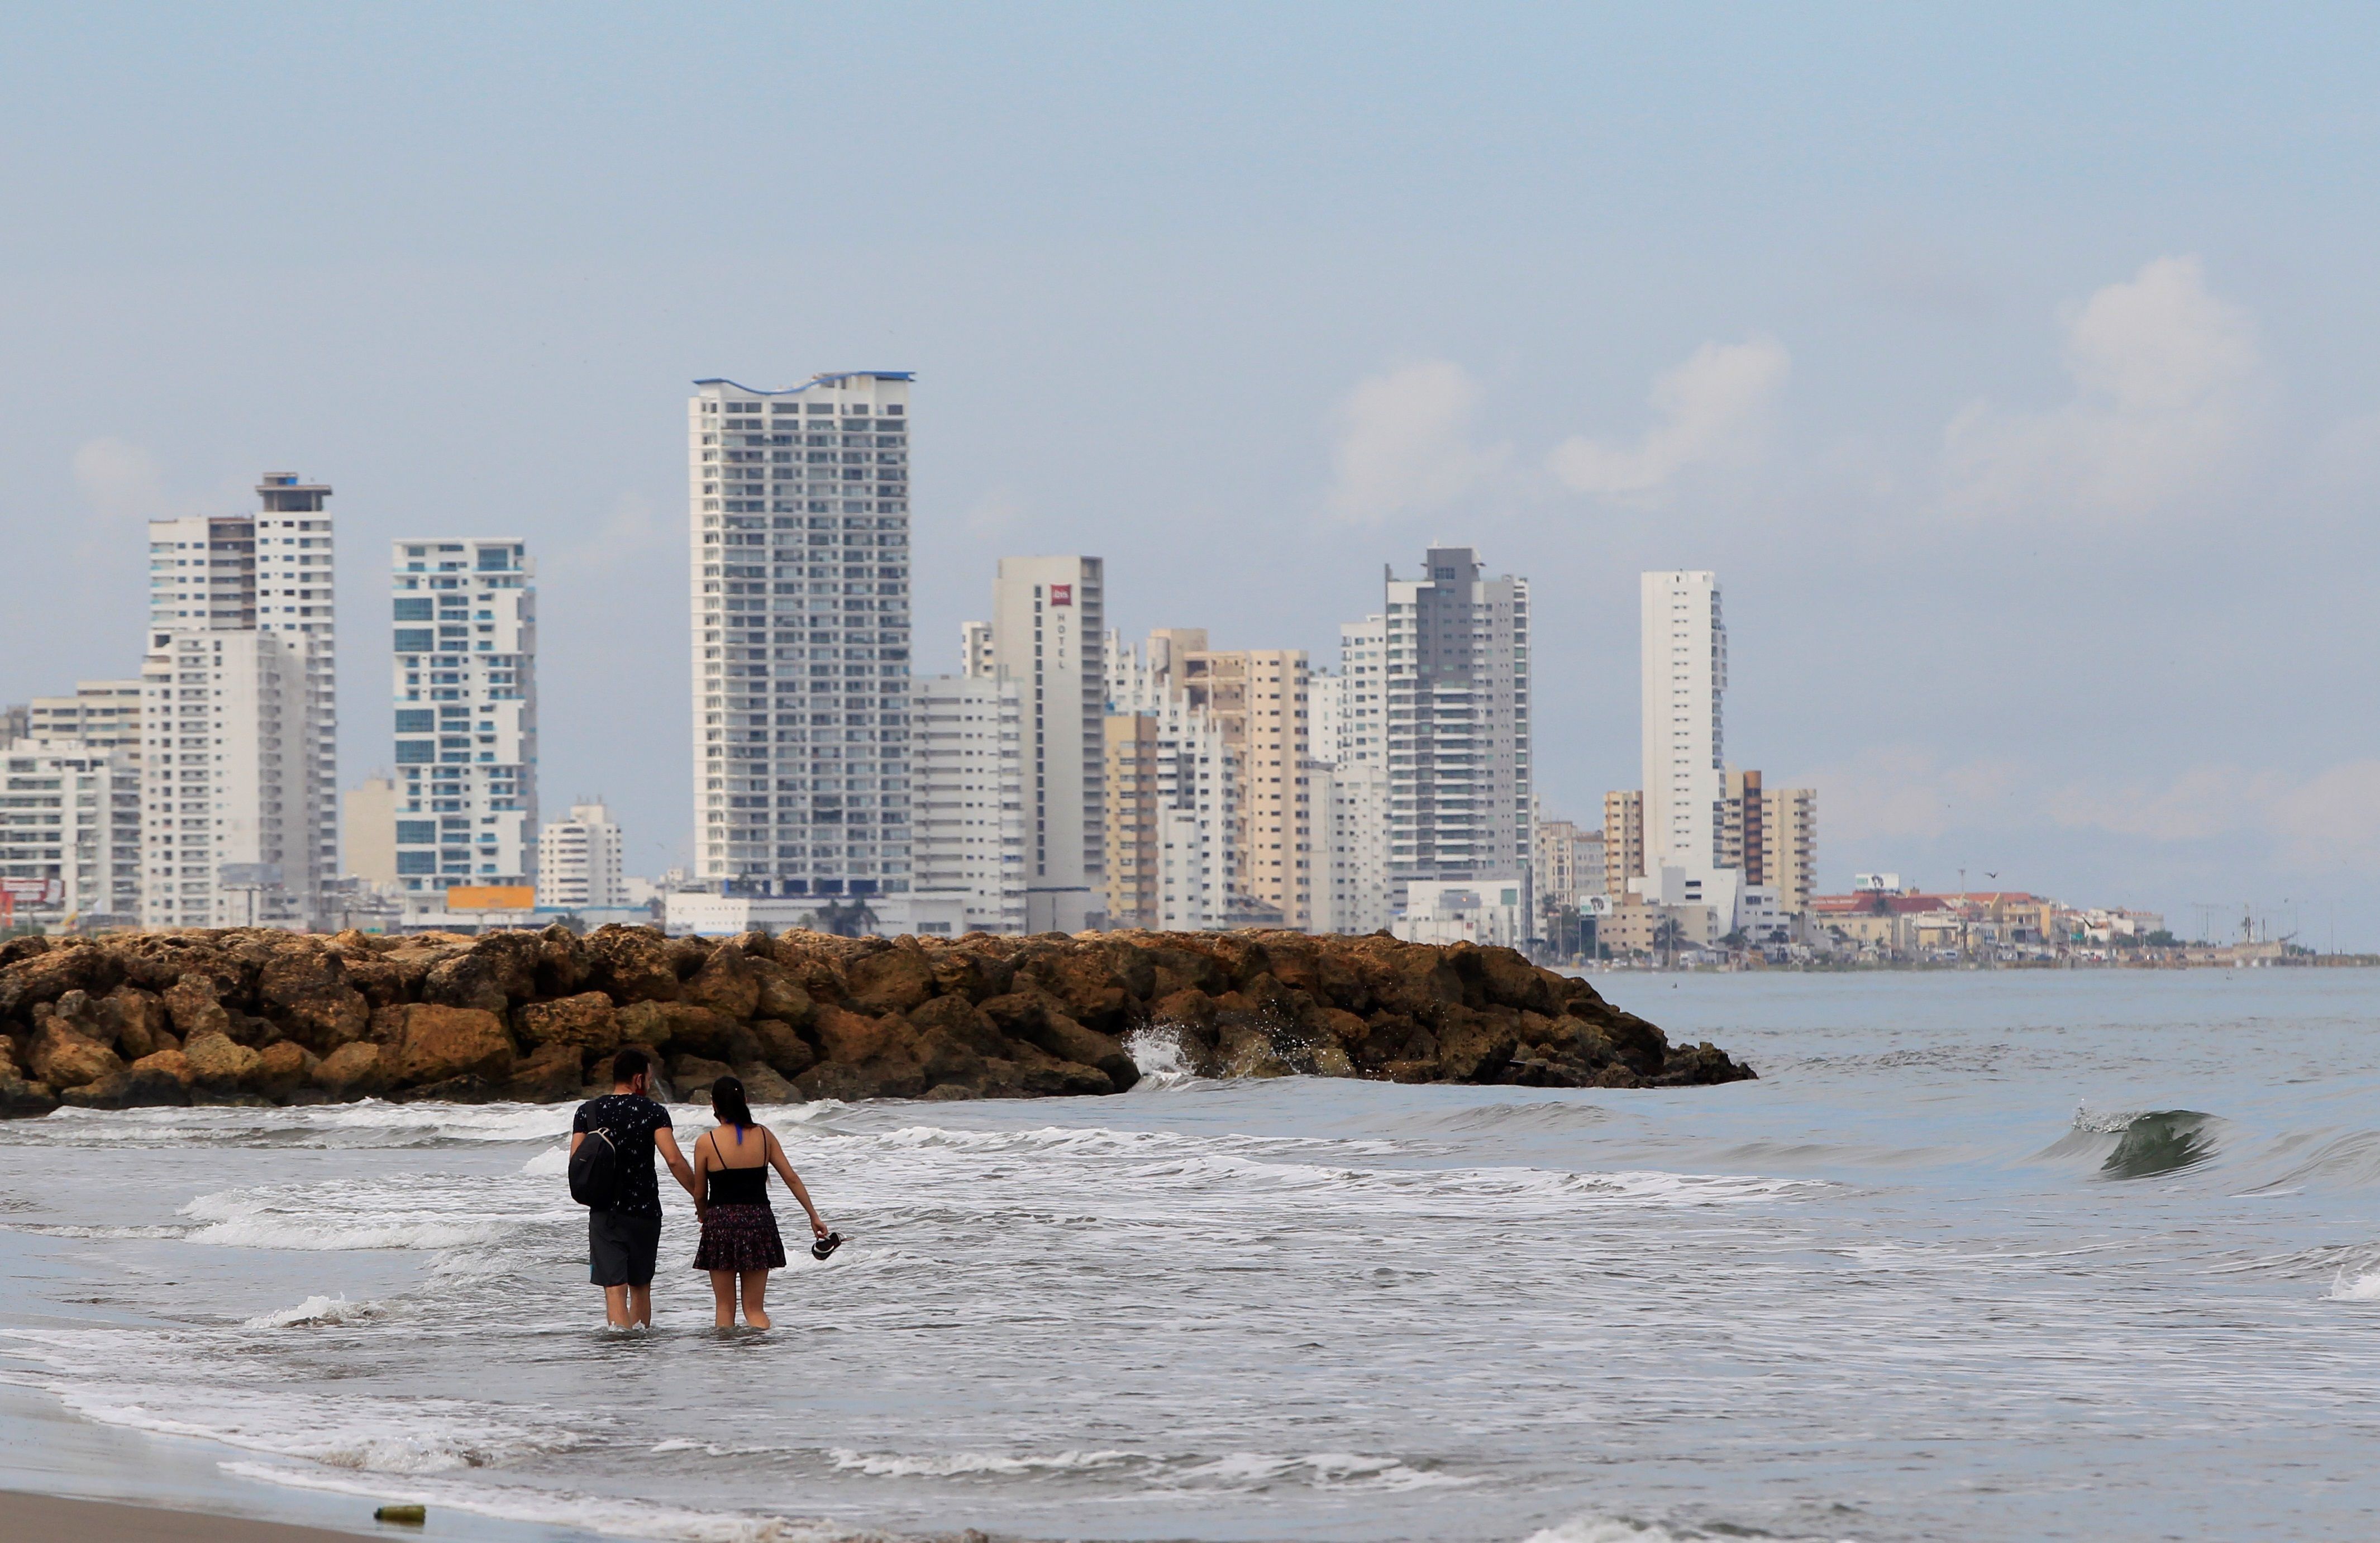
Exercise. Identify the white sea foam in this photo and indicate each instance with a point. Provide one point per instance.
(1157, 1053)
(553, 1161)
(354, 1214)
(576, 1512)
(317, 1312)
(2362, 1288)
(379, 1436)
(1334, 1471)
(1623, 1529)
(957, 1465)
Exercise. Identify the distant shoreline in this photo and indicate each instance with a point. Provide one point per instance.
(2033, 967)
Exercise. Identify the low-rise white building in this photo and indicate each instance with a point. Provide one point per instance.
(70, 834)
(1491, 911)
(707, 914)
(101, 715)
(580, 861)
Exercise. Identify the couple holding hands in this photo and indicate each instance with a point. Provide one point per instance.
(728, 1178)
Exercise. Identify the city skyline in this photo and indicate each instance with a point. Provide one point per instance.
(2012, 431)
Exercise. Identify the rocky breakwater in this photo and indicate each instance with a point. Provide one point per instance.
(254, 1017)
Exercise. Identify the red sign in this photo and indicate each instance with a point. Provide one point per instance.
(1061, 594)
(38, 891)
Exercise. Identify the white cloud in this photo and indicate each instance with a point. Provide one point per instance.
(119, 481)
(1711, 407)
(2327, 822)
(1899, 792)
(2168, 384)
(629, 534)
(1405, 444)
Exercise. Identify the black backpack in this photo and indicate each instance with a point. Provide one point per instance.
(595, 1172)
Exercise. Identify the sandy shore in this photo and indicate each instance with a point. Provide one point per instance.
(46, 1519)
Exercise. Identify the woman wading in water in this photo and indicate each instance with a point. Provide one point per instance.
(739, 1228)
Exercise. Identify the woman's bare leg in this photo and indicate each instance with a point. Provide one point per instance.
(723, 1298)
(756, 1284)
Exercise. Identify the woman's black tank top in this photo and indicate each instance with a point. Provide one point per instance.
(736, 1186)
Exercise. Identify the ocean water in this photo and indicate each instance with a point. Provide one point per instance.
(2005, 1256)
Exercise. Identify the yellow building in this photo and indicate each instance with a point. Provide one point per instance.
(1623, 841)
(1133, 894)
(1256, 697)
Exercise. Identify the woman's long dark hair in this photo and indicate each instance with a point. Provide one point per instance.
(727, 1103)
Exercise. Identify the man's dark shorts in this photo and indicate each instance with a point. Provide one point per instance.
(623, 1249)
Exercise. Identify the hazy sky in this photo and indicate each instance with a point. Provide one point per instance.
(2014, 367)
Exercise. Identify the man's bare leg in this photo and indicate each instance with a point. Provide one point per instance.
(615, 1307)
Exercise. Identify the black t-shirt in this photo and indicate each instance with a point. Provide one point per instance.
(631, 1119)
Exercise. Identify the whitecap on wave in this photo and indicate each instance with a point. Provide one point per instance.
(342, 1214)
(2362, 1288)
(317, 1312)
(1592, 1528)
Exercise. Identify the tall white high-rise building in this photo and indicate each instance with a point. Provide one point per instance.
(1048, 635)
(463, 685)
(967, 775)
(1197, 782)
(239, 714)
(580, 860)
(799, 527)
(1457, 699)
(1350, 783)
(228, 835)
(1683, 652)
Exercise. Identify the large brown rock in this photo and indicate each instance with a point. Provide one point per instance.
(1065, 1039)
(497, 971)
(762, 1085)
(560, 962)
(692, 1076)
(587, 1022)
(440, 1044)
(550, 1074)
(139, 1019)
(890, 979)
(24, 1098)
(353, 1071)
(281, 1069)
(964, 1022)
(194, 1004)
(783, 1048)
(1083, 983)
(64, 1059)
(683, 1028)
(630, 964)
(851, 1038)
(726, 983)
(218, 1063)
(69, 965)
(154, 1081)
(306, 992)
(779, 996)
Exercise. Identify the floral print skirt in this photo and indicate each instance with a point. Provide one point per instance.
(740, 1238)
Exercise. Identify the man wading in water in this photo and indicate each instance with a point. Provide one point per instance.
(624, 1241)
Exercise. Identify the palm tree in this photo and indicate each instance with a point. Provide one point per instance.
(842, 920)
